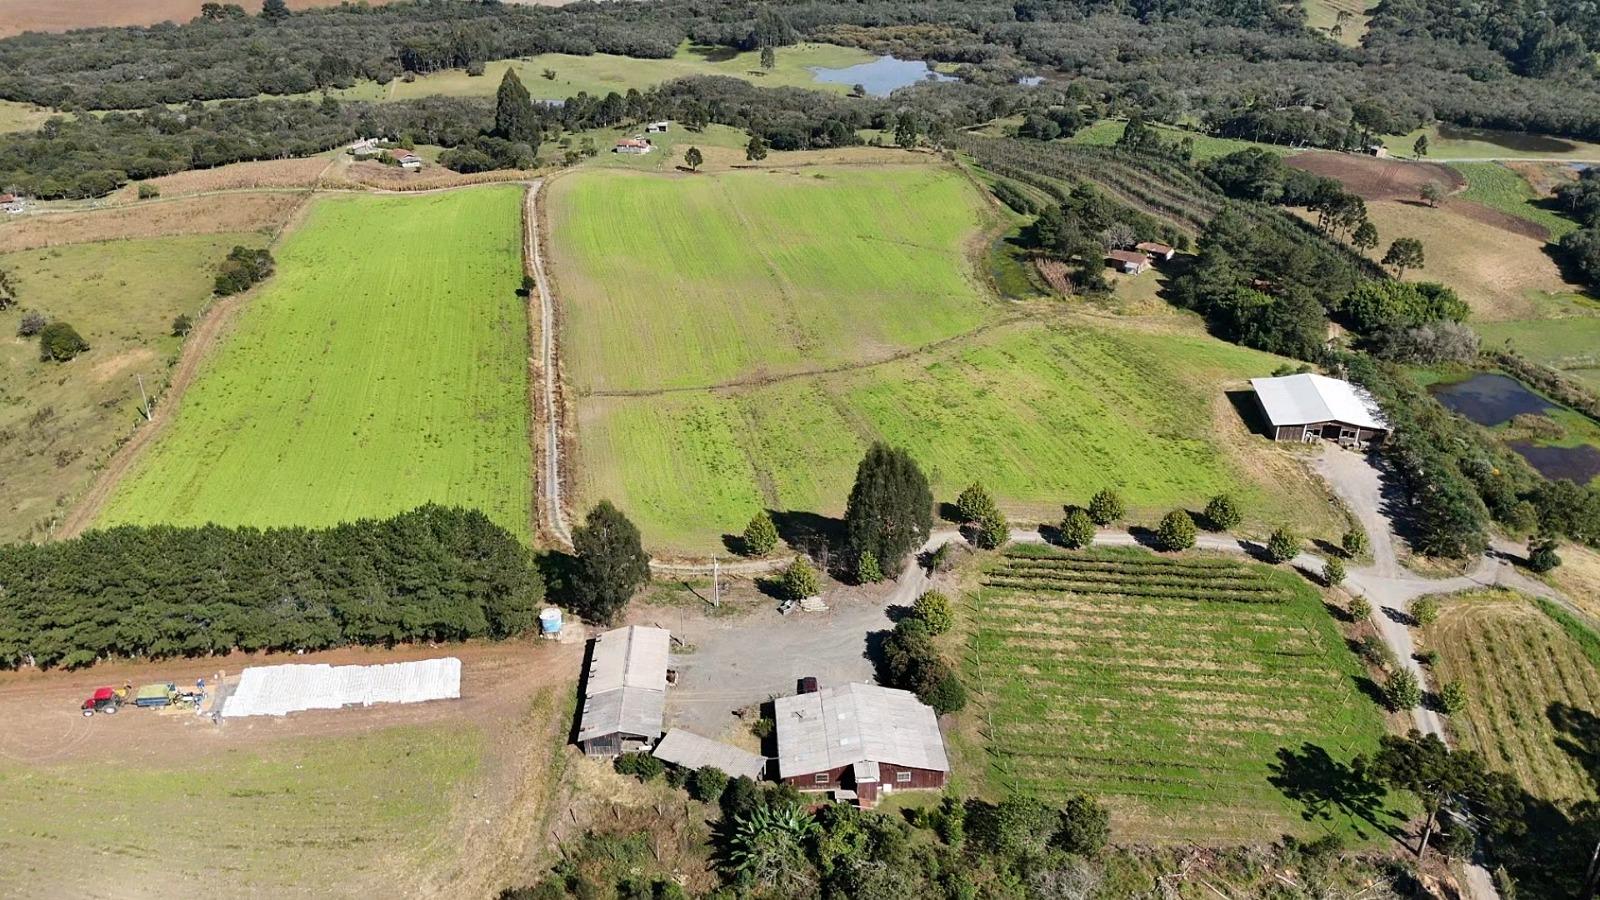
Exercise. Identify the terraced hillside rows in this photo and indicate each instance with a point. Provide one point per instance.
(1190, 693)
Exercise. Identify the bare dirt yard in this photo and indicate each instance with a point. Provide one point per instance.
(17, 16)
(210, 214)
(1372, 178)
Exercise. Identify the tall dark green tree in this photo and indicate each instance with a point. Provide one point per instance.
(514, 115)
(891, 507)
(273, 10)
(612, 563)
(1438, 777)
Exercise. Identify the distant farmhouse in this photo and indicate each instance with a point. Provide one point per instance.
(658, 127)
(859, 742)
(626, 692)
(366, 148)
(1155, 249)
(406, 159)
(1305, 408)
(636, 146)
(1131, 262)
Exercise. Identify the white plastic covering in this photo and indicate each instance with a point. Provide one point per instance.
(278, 690)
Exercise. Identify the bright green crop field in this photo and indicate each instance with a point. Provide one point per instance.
(1198, 697)
(383, 366)
(734, 341)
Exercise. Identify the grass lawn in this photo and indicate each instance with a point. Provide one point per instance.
(383, 367)
(59, 421)
(602, 73)
(1523, 675)
(1496, 186)
(343, 814)
(1106, 132)
(1450, 143)
(1195, 696)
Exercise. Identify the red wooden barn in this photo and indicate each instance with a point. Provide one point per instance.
(859, 742)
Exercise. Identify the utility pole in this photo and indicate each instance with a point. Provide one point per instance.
(716, 582)
(144, 398)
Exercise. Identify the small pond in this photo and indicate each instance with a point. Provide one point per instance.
(881, 76)
(1519, 141)
(1580, 464)
(1490, 398)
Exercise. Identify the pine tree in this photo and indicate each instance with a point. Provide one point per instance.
(890, 511)
(612, 563)
(1223, 513)
(867, 569)
(756, 150)
(760, 536)
(1077, 530)
(800, 580)
(1176, 531)
(514, 116)
(1283, 545)
(1106, 507)
(273, 10)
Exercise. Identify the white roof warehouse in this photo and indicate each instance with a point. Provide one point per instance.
(1306, 407)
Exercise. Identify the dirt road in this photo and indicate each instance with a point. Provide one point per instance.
(552, 505)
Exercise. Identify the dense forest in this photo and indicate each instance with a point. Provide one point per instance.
(1504, 65)
(429, 574)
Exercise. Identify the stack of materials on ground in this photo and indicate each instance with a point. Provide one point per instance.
(279, 690)
(813, 604)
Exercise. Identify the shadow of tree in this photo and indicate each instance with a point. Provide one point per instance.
(1323, 785)
(1578, 735)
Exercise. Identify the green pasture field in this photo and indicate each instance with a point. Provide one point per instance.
(1446, 143)
(602, 73)
(734, 342)
(697, 281)
(1569, 343)
(1520, 671)
(1198, 697)
(1322, 15)
(1106, 132)
(1043, 414)
(16, 116)
(59, 421)
(383, 366)
(1496, 186)
(343, 814)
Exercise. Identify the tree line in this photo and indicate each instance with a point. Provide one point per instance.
(1247, 66)
(433, 573)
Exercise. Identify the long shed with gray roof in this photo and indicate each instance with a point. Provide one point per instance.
(1307, 407)
(625, 691)
(859, 741)
(691, 751)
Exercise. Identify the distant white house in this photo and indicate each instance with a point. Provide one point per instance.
(658, 127)
(366, 148)
(406, 159)
(635, 146)
(11, 203)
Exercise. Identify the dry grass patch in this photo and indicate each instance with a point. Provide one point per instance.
(1578, 577)
(267, 174)
(1526, 681)
(233, 213)
(1496, 271)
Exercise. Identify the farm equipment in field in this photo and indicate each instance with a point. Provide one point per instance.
(105, 701)
(162, 693)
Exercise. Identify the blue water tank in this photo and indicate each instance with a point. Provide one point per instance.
(550, 620)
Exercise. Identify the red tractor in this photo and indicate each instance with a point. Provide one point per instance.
(104, 700)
